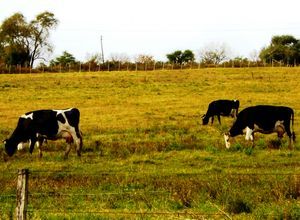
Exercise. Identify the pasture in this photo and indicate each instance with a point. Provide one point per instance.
(146, 154)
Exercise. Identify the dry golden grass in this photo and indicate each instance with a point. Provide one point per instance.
(144, 129)
(121, 101)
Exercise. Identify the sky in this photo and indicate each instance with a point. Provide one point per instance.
(159, 27)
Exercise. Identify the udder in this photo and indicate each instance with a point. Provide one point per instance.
(67, 136)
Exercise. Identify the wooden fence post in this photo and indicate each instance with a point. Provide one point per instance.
(22, 194)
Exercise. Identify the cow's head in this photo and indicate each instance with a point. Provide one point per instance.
(236, 104)
(226, 138)
(10, 147)
(205, 119)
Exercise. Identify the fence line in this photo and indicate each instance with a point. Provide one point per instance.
(199, 214)
(119, 66)
(98, 194)
(23, 193)
(109, 173)
(178, 214)
(148, 172)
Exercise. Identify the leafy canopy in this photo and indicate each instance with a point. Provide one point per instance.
(22, 42)
(181, 57)
(283, 48)
(63, 60)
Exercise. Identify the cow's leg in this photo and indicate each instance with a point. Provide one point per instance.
(219, 119)
(234, 113)
(67, 151)
(291, 143)
(252, 138)
(290, 134)
(76, 135)
(212, 119)
(291, 140)
(32, 143)
(78, 141)
(250, 135)
(39, 144)
(226, 138)
(79, 146)
(20, 146)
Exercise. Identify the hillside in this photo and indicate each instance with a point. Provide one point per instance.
(146, 153)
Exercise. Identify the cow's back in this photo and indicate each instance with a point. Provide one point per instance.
(221, 106)
(265, 116)
(44, 122)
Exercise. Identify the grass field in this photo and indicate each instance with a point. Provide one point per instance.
(146, 153)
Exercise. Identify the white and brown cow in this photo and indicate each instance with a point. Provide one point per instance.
(36, 126)
(265, 119)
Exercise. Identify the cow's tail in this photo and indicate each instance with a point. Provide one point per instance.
(293, 131)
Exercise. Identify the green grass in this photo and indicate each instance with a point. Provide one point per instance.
(146, 153)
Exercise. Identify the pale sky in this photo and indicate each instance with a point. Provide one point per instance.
(159, 27)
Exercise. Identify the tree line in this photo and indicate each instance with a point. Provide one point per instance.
(22, 43)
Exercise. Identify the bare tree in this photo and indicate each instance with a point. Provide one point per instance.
(254, 56)
(120, 57)
(94, 58)
(214, 53)
(144, 58)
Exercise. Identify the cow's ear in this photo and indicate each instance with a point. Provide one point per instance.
(4, 141)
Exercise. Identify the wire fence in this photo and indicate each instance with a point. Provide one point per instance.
(53, 192)
(129, 66)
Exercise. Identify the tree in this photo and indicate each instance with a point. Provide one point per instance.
(175, 57)
(213, 54)
(254, 56)
(188, 56)
(124, 58)
(283, 48)
(64, 60)
(92, 61)
(15, 35)
(22, 42)
(40, 32)
(95, 58)
(143, 58)
(179, 57)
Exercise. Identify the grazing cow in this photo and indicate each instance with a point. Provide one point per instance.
(37, 126)
(265, 119)
(221, 107)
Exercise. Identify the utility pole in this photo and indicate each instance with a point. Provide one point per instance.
(102, 54)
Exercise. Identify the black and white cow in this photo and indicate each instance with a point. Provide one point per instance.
(221, 107)
(265, 119)
(36, 126)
